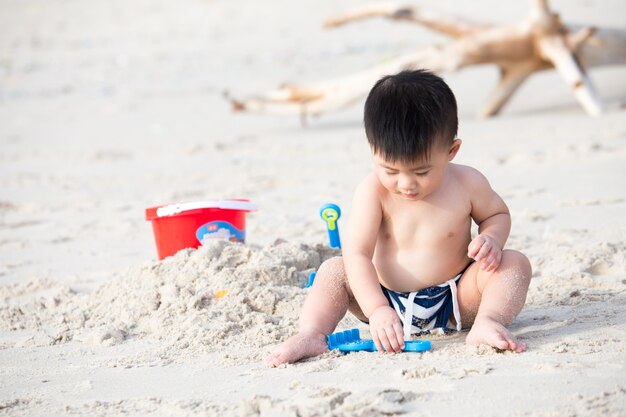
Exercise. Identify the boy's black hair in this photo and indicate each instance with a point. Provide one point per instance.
(408, 113)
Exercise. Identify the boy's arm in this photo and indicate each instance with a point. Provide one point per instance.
(358, 250)
(493, 219)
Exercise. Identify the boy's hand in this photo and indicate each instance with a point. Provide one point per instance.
(484, 248)
(386, 330)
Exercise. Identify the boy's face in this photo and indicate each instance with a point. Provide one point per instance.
(417, 180)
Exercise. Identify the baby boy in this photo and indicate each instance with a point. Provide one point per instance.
(409, 263)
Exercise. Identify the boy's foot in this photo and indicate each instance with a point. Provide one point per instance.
(300, 346)
(486, 331)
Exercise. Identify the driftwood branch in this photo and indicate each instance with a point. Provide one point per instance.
(440, 22)
(555, 50)
(540, 42)
(511, 78)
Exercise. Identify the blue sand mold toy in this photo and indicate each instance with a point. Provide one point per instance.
(350, 341)
(330, 213)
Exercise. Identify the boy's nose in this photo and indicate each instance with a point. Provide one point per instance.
(406, 182)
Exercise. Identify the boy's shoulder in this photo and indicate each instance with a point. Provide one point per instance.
(370, 180)
(370, 189)
(370, 184)
(469, 177)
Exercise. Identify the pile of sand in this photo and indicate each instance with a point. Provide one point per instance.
(223, 293)
(203, 299)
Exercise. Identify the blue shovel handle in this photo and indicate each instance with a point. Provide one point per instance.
(330, 213)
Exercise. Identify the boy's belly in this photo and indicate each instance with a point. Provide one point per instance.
(413, 270)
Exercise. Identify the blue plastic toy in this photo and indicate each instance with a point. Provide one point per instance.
(310, 281)
(350, 341)
(330, 213)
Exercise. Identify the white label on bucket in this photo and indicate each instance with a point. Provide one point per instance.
(220, 230)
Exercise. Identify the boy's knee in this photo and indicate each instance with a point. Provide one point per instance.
(332, 269)
(517, 258)
(518, 261)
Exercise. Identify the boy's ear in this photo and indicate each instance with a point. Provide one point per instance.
(454, 149)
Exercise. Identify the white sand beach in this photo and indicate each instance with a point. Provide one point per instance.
(108, 108)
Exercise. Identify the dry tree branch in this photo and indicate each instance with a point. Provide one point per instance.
(539, 42)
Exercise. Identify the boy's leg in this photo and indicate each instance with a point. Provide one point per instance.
(489, 301)
(327, 303)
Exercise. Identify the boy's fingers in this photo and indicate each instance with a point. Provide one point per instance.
(489, 267)
(377, 342)
(493, 265)
(393, 341)
(475, 246)
(484, 251)
(399, 334)
(384, 341)
(493, 262)
(487, 261)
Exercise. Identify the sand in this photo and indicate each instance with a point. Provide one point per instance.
(108, 108)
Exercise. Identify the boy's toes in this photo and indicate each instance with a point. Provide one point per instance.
(501, 343)
(504, 341)
(510, 342)
(494, 334)
(274, 360)
(520, 347)
(513, 344)
(269, 361)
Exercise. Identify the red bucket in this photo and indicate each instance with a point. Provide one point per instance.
(188, 225)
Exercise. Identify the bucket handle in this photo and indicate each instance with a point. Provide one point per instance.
(172, 209)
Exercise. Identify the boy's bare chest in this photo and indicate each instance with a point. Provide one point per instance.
(427, 223)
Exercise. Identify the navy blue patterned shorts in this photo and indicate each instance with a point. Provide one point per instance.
(430, 308)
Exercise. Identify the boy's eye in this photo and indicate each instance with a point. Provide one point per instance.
(421, 174)
(391, 172)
